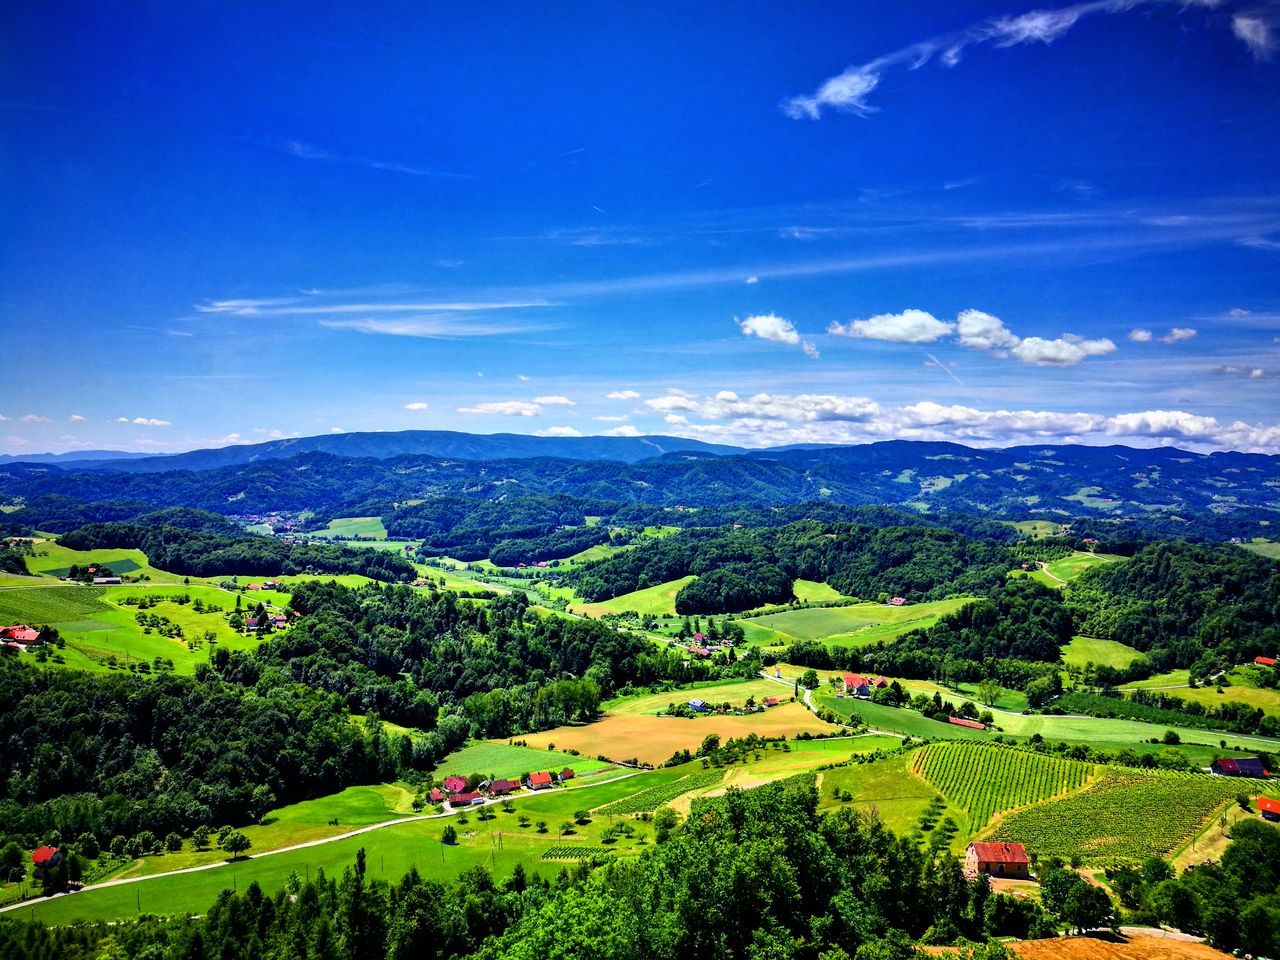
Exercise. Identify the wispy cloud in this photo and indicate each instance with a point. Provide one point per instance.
(416, 405)
(850, 91)
(307, 151)
(1256, 29)
(435, 327)
(144, 421)
(35, 418)
(504, 408)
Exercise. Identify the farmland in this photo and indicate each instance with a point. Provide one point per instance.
(734, 692)
(856, 625)
(1102, 653)
(653, 740)
(1068, 568)
(368, 527)
(1124, 816)
(651, 601)
(510, 760)
(988, 780)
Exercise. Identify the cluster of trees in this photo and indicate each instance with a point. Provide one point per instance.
(470, 528)
(198, 554)
(113, 755)
(1183, 604)
(555, 545)
(13, 556)
(1235, 902)
(749, 875)
(858, 559)
(733, 588)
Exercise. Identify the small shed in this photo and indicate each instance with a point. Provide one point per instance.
(1270, 809)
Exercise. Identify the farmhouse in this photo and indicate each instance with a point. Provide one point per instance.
(700, 651)
(997, 860)
(540, 780)
(46, 857)
(770, 701)
(1270, 809)
(1241, 767)
(466, 799)
(20, 634)
(971, 724)
(455, 784)
(856, 686)
(699, 706)
(501, 787)
(438, 795)
(1265, 661)
(566, 774)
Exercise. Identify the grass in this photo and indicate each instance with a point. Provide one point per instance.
(735, 692)
(651, 601)
(1035, 528)
(886, 789)
(812, 591)
(1265, 548)
(510, 760)
(52, 558)
(1068, 568)
(651, 739)
(353, 527)
(1240, 691)
(1174, 678)
(857, 625)
(1103, 653)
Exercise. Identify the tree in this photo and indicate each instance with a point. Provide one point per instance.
(1088, 908)
(989, 691)
(809, 680)
(173, 842)
(449, 835)
(200, 837)
(234, 843)
(664, 822)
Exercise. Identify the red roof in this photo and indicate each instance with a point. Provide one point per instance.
(437, 795)
(44, 855)
(853, 680)
(455, 784)
(567, 774)
(462, 799)
(540, 779)
(770, 701)
(1000, 852)
(1265, 661)
(971, 724)
(503, 786)
(1267, 805)
(21, 633)
(897, 601)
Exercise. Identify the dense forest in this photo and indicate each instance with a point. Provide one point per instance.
(199, 554)
(757, 875)
(859, 560)
(1184, 605)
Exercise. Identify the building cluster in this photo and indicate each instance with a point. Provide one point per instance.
(454, 789)
(19, 637)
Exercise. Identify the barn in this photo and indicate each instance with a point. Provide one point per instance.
(1239, 767)
(997, 860)
(1270, 809)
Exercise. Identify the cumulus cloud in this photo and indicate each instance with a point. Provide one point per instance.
(850, 91)
(909, 326)
(1140, 335)
(1239, 312)
(555, 401)
(769, 326)
(766, 419)
(35, 418)
(622, 395)
(144, 421)
(626, 430)
(753, 279)
(559, 432)
(416, 405)
(982, 331)
(1063, 351)
(1178, 333)
(504, 408)
(76, 418)
(1248, 372)
(809, 349)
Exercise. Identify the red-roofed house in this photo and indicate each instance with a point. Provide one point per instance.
(997, 860)
(455, 784)
(540, 780)
(46, 857)
(971, 724)
(500, 787)
(700, 651)
(897, 601)
(1270, 809)
(879, 682)
(770, 701)
(856, 686)
(1265, 661)
(567, 774)
(465, 799)
(20, 634)
(1239, 767)
(438, 795)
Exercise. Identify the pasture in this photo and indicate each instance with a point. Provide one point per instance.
(813, 591)
(1264, 548)
(857, 625)
(53, 560)
(371, 527)
(651, 601)
(1082, 651)
(505, 759)
(651, 739)
(1068, 568)
(733, 692)
(887, 788)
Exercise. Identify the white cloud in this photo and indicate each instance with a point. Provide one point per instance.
(416, 405)
(522, 378)
(76, 418)
(810, 350)
(1249, 373)
(1239, 312)
(982, 331)
(627, 430)
(144, 421)
(1178, 333)
(850, 90)
(1064, 351)
(769, 326)
(612, 419)
(433, 327)
(753, 279)
(767, 419)
(1140, 335)
(622, 395)
(505, 408)
(35, 418)
(559, 432)
(909, 326)
(1255, 31)
(3, 418)
(555, 401)
(337, 430)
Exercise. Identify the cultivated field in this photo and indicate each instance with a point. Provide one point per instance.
(734, 692)
(651, 739)
(1068, 568)
(1130, 946)
(353, 527)
(858, 625)
(503, 759)
(652, 601)
(1103, 653)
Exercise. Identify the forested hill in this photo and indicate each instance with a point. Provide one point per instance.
(1160, 487)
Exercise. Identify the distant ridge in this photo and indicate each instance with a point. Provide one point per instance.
(444, 444)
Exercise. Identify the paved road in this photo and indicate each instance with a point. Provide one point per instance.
(297, 846)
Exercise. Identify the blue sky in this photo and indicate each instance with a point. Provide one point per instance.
(754, 223)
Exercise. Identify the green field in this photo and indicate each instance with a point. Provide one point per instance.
(52, 559)
(886, 789)
(1102, 653)
(1265, 548)
(354, 527)
(510, 760)
(1035, 528)
(652, 601)
(812, 591)
(1240, 689)
(1125, 816)
(1068, 568)
(735, 692)
(858, 625)
(989, 779)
